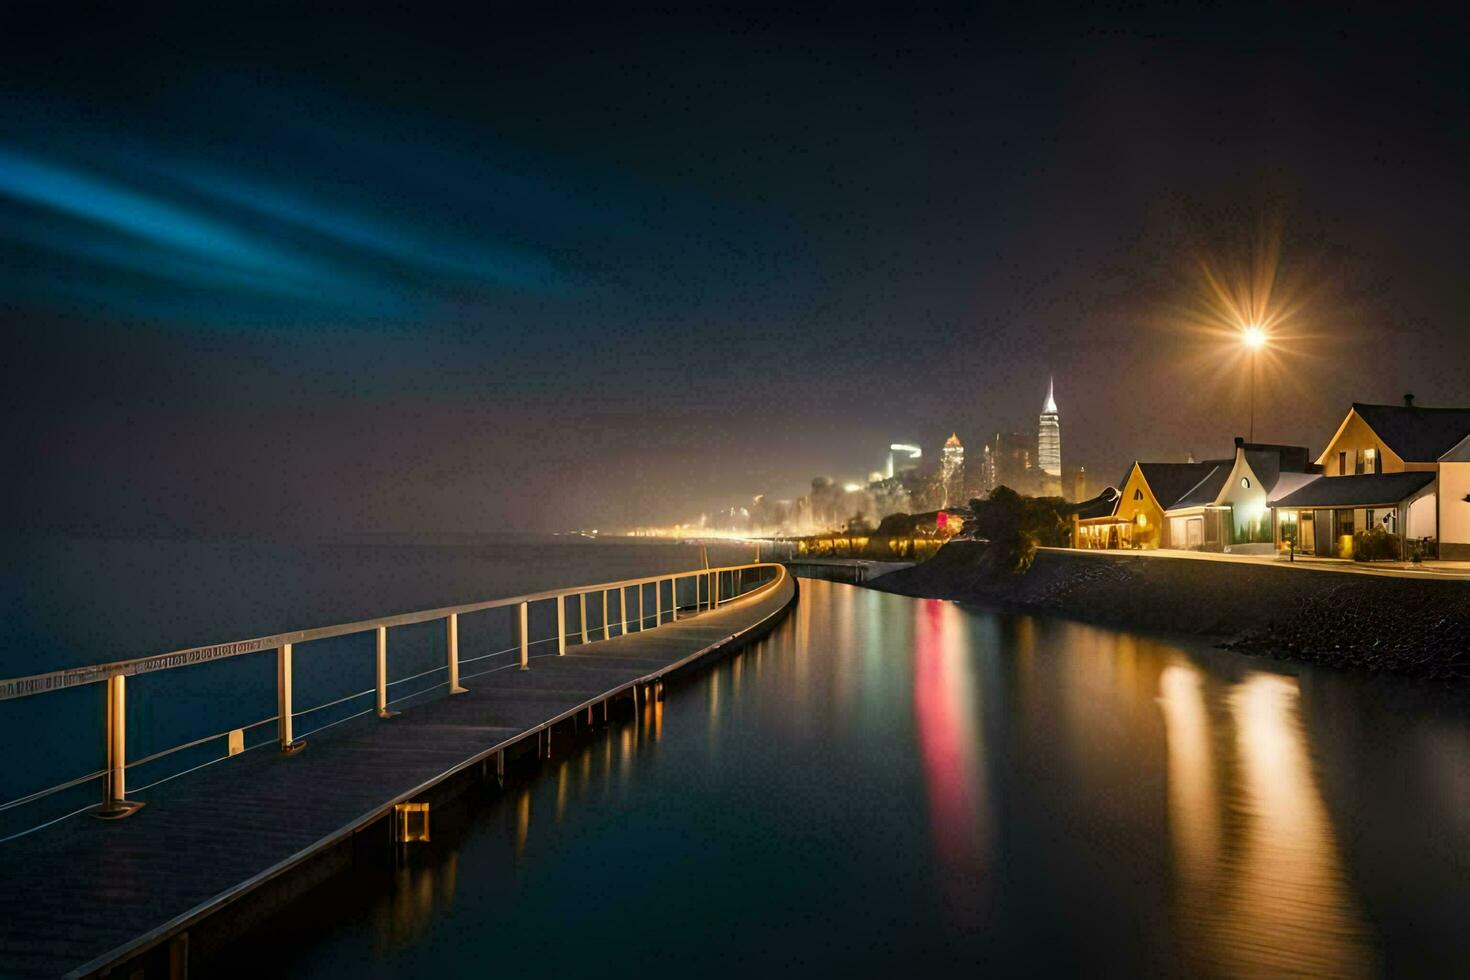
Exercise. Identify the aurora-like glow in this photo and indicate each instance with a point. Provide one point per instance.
(146, 236)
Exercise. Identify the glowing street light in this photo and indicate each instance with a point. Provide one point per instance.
(1254, 338)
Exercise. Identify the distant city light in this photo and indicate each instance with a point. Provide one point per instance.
(852, 487)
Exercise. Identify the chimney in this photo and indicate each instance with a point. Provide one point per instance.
(1239, 441)
(1408, 401)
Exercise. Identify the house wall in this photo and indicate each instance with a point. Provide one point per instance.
(1152, 533)
(1454, 511)
(1354, 435)
(1247, 504)
(1423, 517)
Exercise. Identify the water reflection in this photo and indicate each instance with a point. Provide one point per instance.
(946, 720)
(1286, 906)
(418, 894)
(1257, 867)
(954, 789)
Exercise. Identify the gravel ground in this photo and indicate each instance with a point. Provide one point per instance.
(1374, 623)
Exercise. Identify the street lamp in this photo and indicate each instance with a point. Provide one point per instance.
(1254, 339)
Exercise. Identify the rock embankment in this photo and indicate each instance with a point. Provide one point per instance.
(1405, 625)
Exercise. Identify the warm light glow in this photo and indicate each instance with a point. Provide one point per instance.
(1253, 337)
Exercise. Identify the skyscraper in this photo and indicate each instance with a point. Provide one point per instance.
(1049, 445)
(952, 471)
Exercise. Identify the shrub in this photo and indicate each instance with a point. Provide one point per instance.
(1375, 544)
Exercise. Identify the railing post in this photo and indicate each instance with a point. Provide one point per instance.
(289, 744)
(658, 603)
(115, 804)
(561, 626)
(382, 703)
(451, 643)
(606, 629)
(623, 608)
(582, 598)
(673, 598)
(523, 618)
(642, 622)
(714, 589)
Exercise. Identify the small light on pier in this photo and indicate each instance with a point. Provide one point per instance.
(410, 822)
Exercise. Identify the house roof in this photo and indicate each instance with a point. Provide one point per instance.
(1459, 453)
(1292, 482)
(1205, 491)
(1370, 490)
(1269, 459)
(1105, 504)
(1417, 435)
(1171, 481)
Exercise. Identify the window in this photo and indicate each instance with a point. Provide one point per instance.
(1342, 463)
(1245, 481)
(1143, 520)
(1137, 494)
(1370, 461)
(1358, 462)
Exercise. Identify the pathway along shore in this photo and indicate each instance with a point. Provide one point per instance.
(1414, 626)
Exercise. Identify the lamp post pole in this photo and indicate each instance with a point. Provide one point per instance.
(1252, 428)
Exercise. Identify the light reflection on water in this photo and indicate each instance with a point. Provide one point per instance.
(891, 784)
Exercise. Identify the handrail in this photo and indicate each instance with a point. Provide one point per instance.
(56, 680)
(114, 775)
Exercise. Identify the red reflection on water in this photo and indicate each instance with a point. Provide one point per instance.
(945, 716)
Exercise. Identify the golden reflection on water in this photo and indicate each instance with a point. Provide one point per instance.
(419, 893)
(1260, 888)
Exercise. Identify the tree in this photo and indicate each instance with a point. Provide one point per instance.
(1001, 520)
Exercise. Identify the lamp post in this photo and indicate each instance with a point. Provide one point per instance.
(1254, 339)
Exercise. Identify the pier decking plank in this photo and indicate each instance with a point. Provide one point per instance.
(83, 891)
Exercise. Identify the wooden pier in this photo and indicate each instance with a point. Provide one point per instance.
(239, 838)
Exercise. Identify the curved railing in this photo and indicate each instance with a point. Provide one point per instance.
(702, 589)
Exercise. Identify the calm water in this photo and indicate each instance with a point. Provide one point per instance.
(67, 601)
(888, 785)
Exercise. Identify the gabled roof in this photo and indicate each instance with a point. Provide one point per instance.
(1369, 490)
(1206, 491)
(1459, 453)
(1417, 435)
(1171, 481)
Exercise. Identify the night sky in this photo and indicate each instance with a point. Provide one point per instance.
(459, 270)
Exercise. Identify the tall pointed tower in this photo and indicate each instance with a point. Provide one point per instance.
(952, 470)
(1049, 444)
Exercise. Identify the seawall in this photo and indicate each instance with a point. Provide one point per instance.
(1404, 625)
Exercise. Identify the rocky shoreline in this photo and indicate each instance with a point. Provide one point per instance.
(1378, 623)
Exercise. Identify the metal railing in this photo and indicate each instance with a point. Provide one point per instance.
(711, 588)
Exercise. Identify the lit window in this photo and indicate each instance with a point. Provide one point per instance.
(1245, 481)
(1143, 520)
(1370, 461)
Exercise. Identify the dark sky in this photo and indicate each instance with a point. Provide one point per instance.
(437, 269)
